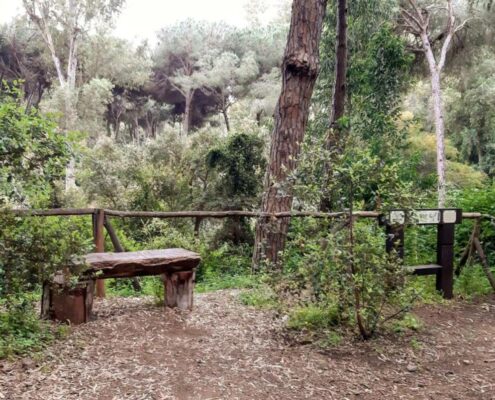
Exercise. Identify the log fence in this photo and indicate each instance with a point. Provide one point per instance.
(101, 222)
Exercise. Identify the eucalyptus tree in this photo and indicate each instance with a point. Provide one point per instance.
(416, 19)
(62, 25)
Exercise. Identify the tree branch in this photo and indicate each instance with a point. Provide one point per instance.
(448, 39)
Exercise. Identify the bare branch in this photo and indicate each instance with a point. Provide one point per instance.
(414, 19)
(462, 25)
(448, 39)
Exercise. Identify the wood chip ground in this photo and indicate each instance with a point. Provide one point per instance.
(224, 350)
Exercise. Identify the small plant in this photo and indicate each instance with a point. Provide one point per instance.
(331, 339)
(261, 297)
(416, 344)
(313, 317)
(409, 322)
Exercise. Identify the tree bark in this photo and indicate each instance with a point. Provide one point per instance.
(340, 85)
(338, 97)
(226, 119)
(440, 135)
(299, 72)
(187, 111)
(417, 22)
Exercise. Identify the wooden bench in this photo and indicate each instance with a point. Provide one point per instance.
(66, 299)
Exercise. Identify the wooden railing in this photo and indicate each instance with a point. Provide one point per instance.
(102, 223)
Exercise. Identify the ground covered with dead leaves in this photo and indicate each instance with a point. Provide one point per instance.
(224, 350)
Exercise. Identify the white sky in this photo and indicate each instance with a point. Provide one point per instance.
(141, 19)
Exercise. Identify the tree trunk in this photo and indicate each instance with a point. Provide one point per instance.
(299, 72)
(340, 86)
(438, 114)
(338, 98)
(440, 136)
(187, 111)
(226, 119)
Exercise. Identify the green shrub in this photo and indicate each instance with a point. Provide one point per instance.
(472, 282)
(21, 330)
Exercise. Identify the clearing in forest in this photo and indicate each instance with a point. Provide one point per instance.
(225, 350)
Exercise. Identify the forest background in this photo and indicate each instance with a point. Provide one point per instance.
(183, 122)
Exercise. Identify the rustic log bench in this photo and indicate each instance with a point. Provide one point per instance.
(66, 299)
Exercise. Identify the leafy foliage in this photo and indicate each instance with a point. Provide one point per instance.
(33, 155)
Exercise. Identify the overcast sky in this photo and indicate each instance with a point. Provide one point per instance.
(140, 19)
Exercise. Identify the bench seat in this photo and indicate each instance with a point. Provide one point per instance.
(429, 269)
(140, 263)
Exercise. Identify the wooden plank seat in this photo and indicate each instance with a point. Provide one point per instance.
(66, 300)
(429, 269)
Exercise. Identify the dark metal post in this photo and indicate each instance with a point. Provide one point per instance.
(445, 258)
(395, 240)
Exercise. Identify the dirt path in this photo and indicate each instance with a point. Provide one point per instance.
(224, 350)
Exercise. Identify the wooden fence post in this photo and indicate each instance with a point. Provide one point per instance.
(99, 239)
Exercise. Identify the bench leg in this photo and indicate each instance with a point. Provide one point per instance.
(179, 289)
(67, 304)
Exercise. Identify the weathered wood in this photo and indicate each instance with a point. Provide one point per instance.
(45, 301)
(179, 289)
(68, 212)
(67, 302)
(141, 263)
(54, 212)
(428, 269)
(90, 290)
(99, 239)
(484, 263)
(227, 214)
(444, 267)
(120, 249)
(113, 236)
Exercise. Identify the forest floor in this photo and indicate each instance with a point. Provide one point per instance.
(225, 350)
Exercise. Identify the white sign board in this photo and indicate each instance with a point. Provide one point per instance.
(397, 217)
(425, 217)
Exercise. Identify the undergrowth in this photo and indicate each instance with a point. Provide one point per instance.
(21, 330)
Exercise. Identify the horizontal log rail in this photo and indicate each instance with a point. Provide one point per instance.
(100, 218)
(207, 214)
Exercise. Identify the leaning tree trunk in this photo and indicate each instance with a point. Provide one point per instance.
(299, 72)
(338, 98)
